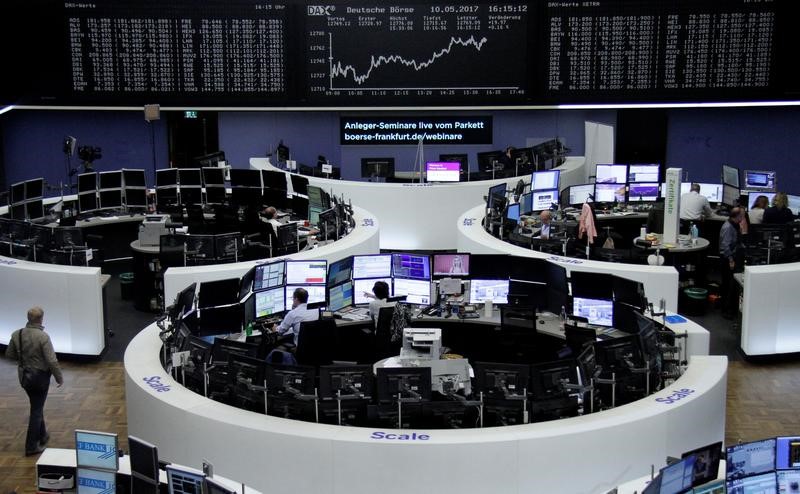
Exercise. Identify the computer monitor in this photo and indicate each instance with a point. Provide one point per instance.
(166, 195)
(270, 302)
(616, 353)
(361, 286)
(496, 196)
(597, 311)
(133, 178)
(787, 452)
(753, 458)
(416, 266)
(269, 275)
(794, 203)
(17, 193)
(291, 379)
(488, 159)
(241, 177)
(752, 196)
(34, 189)
(136, 198)
(644, 173)
(730, 195)
(763, 483)
(730, 176)
(218, 292)
(340, 296)
(526, 203)
(482, 290)
(609, 192)
(273, 179)
(630, 292)
(611, 174)
(184, 480)
(579, 194)
(217, 487)
(377, 167)
(340, 271)
(788, 481)
(461, 158)
(306, 272)
(191, 194)
(759, 180)
(351, 381)
(34, 209)
(547, 378)
(501, 380)
(143, 458)
(190, 177)
(451, 264)
(712, 192)
(513, 213)
(316, 294)
(418, 292)
(405, 382)
(677, 477)
(588, 284)
(110, 180)
(96, 450)
(646, 192)
(544, 199)
(442, 171)
(545, 180)
(706, 464)
(213, 176)
(87, 182)
(372, 266)
(92, 481)
(110, 199)
(522, 157)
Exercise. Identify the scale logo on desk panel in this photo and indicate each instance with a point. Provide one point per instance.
(368, 222)
(401, 436)
(676, 396)
(7, 262)
(155, 383)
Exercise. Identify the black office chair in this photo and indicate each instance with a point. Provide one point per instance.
(288, 240)
(172, 251)
(316, 342)
(383, 345)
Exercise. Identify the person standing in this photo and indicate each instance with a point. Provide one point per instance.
(730, 255)
(32, 347)
(779, 213)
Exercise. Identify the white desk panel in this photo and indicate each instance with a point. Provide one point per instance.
(770, 310)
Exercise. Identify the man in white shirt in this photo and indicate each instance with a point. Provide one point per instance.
(290, 326)
(695, 207)
(271, 214)
(545, 217)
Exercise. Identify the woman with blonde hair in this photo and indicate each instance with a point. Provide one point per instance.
(779, 213)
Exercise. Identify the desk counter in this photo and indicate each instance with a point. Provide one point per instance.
(770, 310)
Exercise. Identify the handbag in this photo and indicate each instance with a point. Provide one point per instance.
(30, 378)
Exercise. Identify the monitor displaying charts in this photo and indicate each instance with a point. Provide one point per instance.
(643, 192)
(578, 194)
(417, 291)
(183, 480)
(544, 199)
(378, 266)
(752, 458)
(268, 276)
(609, 192)
(316, 294)
(306, 272)
(677, 478)
(545, 180)
(270, 302)
(360, 287)
(597, 311)
(611, 174)
(482, 290)
(764, 483)
(417, 266)
(340, 296)
(451, 264)
(443, 171)
(96, 450)
(788, 481)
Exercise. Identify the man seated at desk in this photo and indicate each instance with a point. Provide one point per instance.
(695, 207)
(271, 216)
(290, 326)
(547, 228)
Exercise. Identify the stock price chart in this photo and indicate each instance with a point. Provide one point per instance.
(432, 52)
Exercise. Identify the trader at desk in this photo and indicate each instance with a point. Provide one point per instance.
(271, 215)
(695, 207)
(289, 328)
(546, 217)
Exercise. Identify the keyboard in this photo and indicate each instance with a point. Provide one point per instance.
(353, 314)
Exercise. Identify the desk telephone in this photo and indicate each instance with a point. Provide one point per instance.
(469, 312)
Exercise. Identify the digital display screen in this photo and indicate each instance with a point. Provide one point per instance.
(752, 196)
(110, 180)
(416, 266)
(17, 192)
(730, 195)
(643, 192)
(340, 296)
(34, 188)
(87, 202)
(87, 182)
(787, 453)
(184, 481)
(578, 194)
(451, 264)
(482, 290)
(794, 203)
(730, 176)
(596, 311)
(611, 174)
(418, 291)
(758, 484)
(526, 202)
(609, 192)
(379, 266)
(545, 180)
(96, 450)
(340, 271)
(270, 302)
(759, 179)
(544, 199)
(512, 213)
(676, 478)
(644, 173)
(136, 198)
(316, 293)
(442, 171)
(306, 272)
(110, 199)
(752, 458)
(788, 481)
(133, 178)
(89, 481)
(712, 192)
(268, 276)
(190, 177)
(360, 287)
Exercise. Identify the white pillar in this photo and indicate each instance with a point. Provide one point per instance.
(672, 205)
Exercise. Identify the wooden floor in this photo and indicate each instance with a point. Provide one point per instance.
(763, 400)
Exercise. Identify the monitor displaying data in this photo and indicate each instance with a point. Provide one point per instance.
(730, 195)
(730, 175)
(677, 478)
(306, 272)
(526, 202)
(609, 192)
(91, 481)
(788, 481)
(377, 266)
(611, 174)
(451, 264)
(182, 480)
(482, 290)
(96, 450)
(418, 291)
(268, 276)
(752, 458)
(578, 194)
(543, 199)
(513, 212)
(643, 192)
(787, 452)
(712, 192)
(765, 483)
(340, 271)
(442, 171)
(270, 302)
(644, 173)
(361, 287)
(545, 180)
(316, 294)
(759, 180)
(340, 296)
(417, 266)
(597, 311)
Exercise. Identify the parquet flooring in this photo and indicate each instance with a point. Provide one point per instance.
(763, 400)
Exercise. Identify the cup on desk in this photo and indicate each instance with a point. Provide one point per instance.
(643, 231)
(488, 307)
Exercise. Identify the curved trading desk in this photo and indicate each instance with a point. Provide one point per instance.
(769, 309)
(363, 239)
(659, 281)
(420, 216)
(586, 454)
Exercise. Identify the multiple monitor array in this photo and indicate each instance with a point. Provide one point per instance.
(110, 190)
(25, 200)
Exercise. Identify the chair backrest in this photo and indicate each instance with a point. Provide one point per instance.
(517, 318)
(287, 238)
(383, 327)
(316, 342)
(171, 251)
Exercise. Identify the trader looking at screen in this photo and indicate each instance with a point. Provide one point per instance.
(290, 326)
(694, 206)
(545, 217)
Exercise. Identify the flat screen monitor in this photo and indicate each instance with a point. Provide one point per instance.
(316, 197)
(217, 487)
(270, 302)
(502, 379)
(451, 265)
(744, 460)
(765, 483)
(644, 173)
(306, 272)
(404, 381)
(133, 178)
(482, 290)
(579, 194)
(136, 198)
(416, 266)
(143, 458)
(269, 276)
(497, 193)
(442, 171)
(377, 167)
(643, 192)
(34, 210)
(544, 199)
(17, 193)
(752, 196)
(213, 176)
(241, 177)
(513, 212)
(787, 452)
(91, 481)
(461, 158)
(218, 292)
(274, 179)
(706, 464)
(340, 271)
(96, 450)
(596, 311)
(730, 195)
(316, 294)
(418, 292)
(488, 159)
(712, 192)
(340, 296)
(522, 157)
(34, 188)
(167, 195)
(166, 177)
(526, 203)
(545, 180)
(588, 284)
(190, 177)
(609, 192)
(794, 204)
(183, 480)
(611, 174)
(353, 381)
(87, 182)
(374, 266)
(360, 287)
(759, 179)
(110, 180)
(730, 176)
(788, 481)
(110, 199)
(677, 477)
